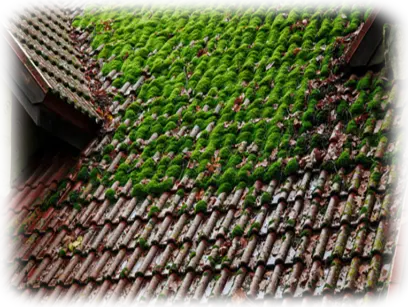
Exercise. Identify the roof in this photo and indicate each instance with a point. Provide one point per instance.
(40, 180)
(240, 162)
(41, 38)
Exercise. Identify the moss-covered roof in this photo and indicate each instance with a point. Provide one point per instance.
(242, 77)
(239, 159)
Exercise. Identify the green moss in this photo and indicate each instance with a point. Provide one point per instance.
(94, 176)
(174, 171)
(170, 126)
(364, 83)
(201, 206)
(344, 160)
(225, 188)
(266, 198)
(274, 171)
(257, 55)
(318, 141)
(124, 147)
(306, 126)
(376, 176)
(229, 176)
(291, 167)
(357, 108)
(130, 114)
(73, 196)
(249, 201)
(237, 231)
(62, 252)
(107, 158)
(143, 244)
(363, 210)
(352, 127)
(124, 272)
(22, 228)
(108, 149)
(343, 110)
(110, 195)
(106, 179)
(182, 210)
(154, 210)
(50, 202)
(83, 174)
(363, 160)
(157, 188)
(139, 191)
(374, 105)
(254, 228)
(180, 192)
(258, 173)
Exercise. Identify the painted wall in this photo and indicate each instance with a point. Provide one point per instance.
(5, 138)
(26, 139)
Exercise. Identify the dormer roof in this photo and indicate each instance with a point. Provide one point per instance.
(367, 48)
(38, 59)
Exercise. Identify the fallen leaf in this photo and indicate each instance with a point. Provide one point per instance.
(243, 242)
(274, 153)
(269, 66)
(236, 107)
(297, 50)
(75, 244)
(200, 194)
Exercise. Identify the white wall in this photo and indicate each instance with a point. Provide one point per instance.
(5, 139)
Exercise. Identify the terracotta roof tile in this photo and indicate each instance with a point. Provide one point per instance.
(295, 259)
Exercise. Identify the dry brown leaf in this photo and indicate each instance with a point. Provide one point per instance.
(236, 107)
(243, 242)
(297, 50)
(200, 194)
(274, 153)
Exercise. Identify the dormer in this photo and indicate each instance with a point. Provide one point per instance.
(381, 39)
(44, 93)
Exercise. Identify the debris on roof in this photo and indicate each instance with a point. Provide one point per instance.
(239, 162)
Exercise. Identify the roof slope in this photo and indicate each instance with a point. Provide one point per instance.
(41, 38)
(239, 162)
